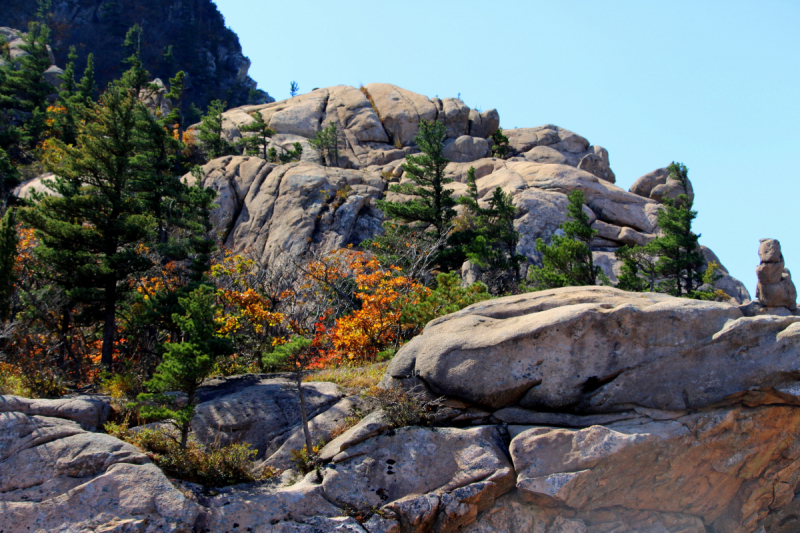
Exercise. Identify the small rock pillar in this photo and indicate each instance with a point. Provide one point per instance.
(775, 287)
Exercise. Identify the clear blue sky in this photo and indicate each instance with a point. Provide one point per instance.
(714, 84)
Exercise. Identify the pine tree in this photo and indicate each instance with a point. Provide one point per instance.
(136, 77)
(567, 261)
(188, 362)
(670, 263)
(25, 77)
(326, 142)
(24, 90)
(86, 87)
(256, 144)
(177, 85)
(678, 250)
(501, 144)
(211, 132)
(180, 212)
(89, 234)
(431, 203)
(491, 241)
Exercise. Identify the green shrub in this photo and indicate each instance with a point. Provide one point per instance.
(305, 462)
(448, 297)
(211, 467)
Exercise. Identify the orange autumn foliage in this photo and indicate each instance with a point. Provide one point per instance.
(382, 292)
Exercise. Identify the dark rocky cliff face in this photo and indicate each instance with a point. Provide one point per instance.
(188, 35)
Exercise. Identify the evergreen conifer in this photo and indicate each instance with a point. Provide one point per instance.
(211, 132)
(188, 362)
(491, 240)
(256, 144)
(90, 232)
(567, 260)
(672, 262)
(431, 203)
(678, 249)
(86, 87)
(326, 142)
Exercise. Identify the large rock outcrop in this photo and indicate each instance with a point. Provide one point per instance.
(377, 125)
(725, 469)
(286, 210)
(559, 353)
(55, 476)
(574, 410)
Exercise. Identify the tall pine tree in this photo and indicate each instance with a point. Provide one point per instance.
(490, 241)
(678, 249)
(567, 260)
(89, 234)
(431, 203)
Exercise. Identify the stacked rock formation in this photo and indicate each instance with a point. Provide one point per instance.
(271, 210)
(584, 409)
(658, 186)
(775, 287)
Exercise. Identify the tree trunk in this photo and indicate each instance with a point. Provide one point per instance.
(110, 324)
(187, 424)
(303, 413)
(64, 327)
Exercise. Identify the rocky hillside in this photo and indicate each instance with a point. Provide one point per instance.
(178, 35)
(272, 209)
(575, 410)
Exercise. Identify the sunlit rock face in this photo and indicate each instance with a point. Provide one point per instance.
(578, 409)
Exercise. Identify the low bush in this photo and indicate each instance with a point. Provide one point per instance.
(305, 462)
(402, 408)
(12, 382)
(211, 467)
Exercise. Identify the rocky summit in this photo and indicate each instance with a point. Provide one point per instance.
(584, 409)
(276, 210)
(270, 209)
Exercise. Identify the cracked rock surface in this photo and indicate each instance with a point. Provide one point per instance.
(690, 426)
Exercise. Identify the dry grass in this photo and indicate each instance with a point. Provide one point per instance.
(213, 466)
(353, 379)
(371, 102)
